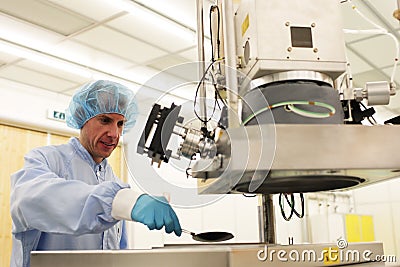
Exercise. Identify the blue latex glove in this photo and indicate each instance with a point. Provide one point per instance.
(155, 212)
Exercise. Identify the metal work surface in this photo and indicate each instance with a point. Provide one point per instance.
(308, 157)
(319, 147)
(233, 255)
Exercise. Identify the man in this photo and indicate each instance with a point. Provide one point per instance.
(67, 197)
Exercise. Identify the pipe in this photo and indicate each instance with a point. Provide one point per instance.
(201, 57)
(230, 63)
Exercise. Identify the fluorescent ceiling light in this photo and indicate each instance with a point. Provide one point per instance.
(133, 86)
(61, 64)
(159, 21)
(41, 58)
(75, 68)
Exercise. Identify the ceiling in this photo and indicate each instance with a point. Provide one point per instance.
(133, 40)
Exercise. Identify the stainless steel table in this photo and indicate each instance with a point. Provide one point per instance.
(226, 255)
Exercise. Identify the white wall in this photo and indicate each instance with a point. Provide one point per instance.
(325, 215)
(382, 200)
(21, 107)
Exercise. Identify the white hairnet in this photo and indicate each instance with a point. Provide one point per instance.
(101, 97)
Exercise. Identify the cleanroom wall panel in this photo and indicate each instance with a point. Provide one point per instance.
(116, 161)
(384, 225)
(395, 207)
(15, 143)
(56, 139)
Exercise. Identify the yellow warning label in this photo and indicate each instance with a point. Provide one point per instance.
(245, 24)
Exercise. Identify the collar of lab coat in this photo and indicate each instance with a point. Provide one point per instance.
(86, 155)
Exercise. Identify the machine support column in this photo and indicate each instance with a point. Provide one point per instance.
(266, 219)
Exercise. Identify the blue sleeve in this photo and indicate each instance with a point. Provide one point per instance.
(43, 201)
(124, 238)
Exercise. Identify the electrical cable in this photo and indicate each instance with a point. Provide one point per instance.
(310, 114)
(249, 195)
(292, 205)
(197, 91)
(291, 106)
(371, 118)
(215, 95)
(282, 206)
(215, 82)
(344, 78)
(188, 167)
(211, 65)
(218, 41)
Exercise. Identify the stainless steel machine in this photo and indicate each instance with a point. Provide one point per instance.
(292, 120)
(291, 123)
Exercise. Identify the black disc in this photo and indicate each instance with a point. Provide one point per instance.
(301, 184)
(213, 236)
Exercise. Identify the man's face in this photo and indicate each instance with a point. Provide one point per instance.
(100, 135)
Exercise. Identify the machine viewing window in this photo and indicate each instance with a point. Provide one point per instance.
(301, 37)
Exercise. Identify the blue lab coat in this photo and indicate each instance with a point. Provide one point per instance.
(62, 200)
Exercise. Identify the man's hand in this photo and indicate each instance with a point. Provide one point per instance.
(155, 212)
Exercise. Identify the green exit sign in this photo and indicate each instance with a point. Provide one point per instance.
(56, 115)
